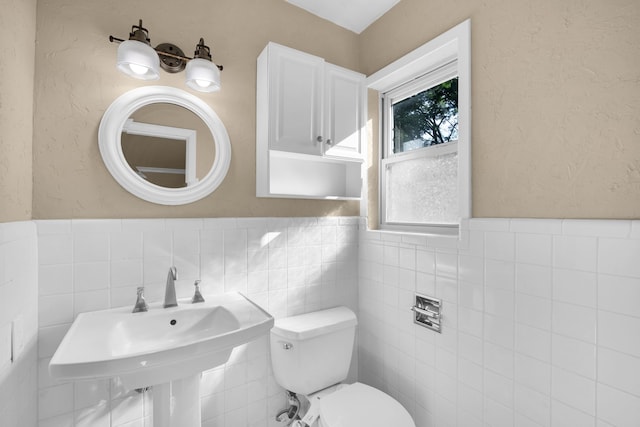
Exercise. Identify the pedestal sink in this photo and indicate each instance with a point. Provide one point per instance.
(164, 348)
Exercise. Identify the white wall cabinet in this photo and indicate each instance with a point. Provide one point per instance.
(343, 112)
(309, 126)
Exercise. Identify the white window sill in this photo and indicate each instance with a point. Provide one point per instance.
(457, 241)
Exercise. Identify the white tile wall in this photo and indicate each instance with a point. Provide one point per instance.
(18, 317)
(288, 265)
(541, 323)
(541, 317)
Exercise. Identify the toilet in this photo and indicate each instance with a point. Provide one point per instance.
(311, 355)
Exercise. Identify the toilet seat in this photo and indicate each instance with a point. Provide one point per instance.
(362, 405)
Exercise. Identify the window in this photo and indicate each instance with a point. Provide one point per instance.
(425, 136)
(419, 166)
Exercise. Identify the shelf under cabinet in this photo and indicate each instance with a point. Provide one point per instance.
(312, 177)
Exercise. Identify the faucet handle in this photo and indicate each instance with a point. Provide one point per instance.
(141, 304)
(197, 296)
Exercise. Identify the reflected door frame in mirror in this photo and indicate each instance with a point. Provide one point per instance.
(110, 134)
(189, 136)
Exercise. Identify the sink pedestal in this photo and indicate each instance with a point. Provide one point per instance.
(177, 403)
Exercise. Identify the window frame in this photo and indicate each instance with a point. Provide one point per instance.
(412, 71)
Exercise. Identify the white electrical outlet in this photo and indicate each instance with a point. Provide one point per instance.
(17, 337)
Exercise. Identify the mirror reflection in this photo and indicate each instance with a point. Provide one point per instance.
(168, 145)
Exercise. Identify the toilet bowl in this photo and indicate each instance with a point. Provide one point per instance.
(311, 355)
(362, 405)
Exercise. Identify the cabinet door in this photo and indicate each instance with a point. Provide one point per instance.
(343, 112)
(295, 101)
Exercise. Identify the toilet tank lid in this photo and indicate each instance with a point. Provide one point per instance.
(313, 324)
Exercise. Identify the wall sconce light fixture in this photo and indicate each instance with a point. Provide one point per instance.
(137, 58)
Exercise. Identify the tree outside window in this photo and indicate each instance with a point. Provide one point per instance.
(427, 118)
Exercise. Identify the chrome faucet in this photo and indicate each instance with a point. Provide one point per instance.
(141, 304)
(170, 289)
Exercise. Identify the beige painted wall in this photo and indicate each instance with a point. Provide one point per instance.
(77, 80)
(17, 33)
(555, 98)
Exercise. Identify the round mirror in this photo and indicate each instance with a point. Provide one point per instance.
(164, 145)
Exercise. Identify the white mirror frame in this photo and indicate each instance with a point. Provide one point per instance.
(109, 141)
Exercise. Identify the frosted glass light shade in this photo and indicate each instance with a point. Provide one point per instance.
(203, 75)
(139, 60)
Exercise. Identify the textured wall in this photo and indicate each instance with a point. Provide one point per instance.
(555, 96)
(18, 32)
(77, 80)
(555, 100)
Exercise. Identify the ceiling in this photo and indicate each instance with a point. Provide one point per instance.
(354, 15)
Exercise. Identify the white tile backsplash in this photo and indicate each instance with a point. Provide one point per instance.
(546, 324)
(533, 248)
(534, 226)
(619, 257)
(574, 321)
(55, 279)
(619, 294)
(55, 248)
(533, 341)
(533, 406)
(574, 355)
(619, 370)
(287, 265)
(534, 280)
(55, 400)
(499, 302)
(496, 414)
(600, 228)
(533, 373)
(471, 269)
(540, 322)
(576, 287)
(499, 245)
(617, 407)
(18, 319)
(563, 415)
(499, 274)
(575, 252)
(574, 390)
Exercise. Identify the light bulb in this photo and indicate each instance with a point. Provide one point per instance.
(139, 60)
(202, 75)
(138, 69)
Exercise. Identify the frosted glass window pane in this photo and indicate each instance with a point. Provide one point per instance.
(423, 190)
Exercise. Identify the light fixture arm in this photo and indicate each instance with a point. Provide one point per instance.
(202, 51)
(139, 33)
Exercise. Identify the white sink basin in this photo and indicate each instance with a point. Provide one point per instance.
(160, 345)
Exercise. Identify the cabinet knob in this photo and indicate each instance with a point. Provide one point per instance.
(319, 138)
(329, 142)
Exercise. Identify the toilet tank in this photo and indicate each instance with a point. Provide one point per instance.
(313, 351)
